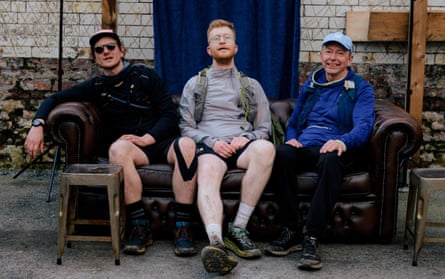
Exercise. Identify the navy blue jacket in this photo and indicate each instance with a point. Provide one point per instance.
(326, 110)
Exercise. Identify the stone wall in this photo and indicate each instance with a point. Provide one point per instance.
(29, 64)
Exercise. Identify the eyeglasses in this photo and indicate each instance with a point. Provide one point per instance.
(100, 49)
(218, 38)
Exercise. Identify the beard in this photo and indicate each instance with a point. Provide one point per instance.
(223, 60)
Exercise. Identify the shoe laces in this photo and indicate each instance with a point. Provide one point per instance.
(182, 233)
(137, 232)
(309, 245)
(242, 235)
(285, 236)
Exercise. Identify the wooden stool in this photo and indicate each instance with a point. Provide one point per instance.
(423, 182)
(95, 175)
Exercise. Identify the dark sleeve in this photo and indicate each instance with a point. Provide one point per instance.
(167, 123)
(80, 92)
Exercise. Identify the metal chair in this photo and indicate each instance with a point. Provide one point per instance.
(423, 182)
(95, 175)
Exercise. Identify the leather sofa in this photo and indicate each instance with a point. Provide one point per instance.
(366, 210)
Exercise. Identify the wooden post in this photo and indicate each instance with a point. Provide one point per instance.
(109, 14)
(419, 38)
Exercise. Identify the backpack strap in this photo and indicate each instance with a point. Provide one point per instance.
(136, 76)
(200, 93)
(247, 100)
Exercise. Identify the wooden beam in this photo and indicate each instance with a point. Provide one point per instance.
(109, 14)
(418, 39)
(381, 26)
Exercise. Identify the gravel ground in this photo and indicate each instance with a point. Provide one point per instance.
(28, 236)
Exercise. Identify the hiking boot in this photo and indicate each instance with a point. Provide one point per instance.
(217, 260)
(184, 245)
(288, 241)
(138, 238)
(238, 241)
(309, 259)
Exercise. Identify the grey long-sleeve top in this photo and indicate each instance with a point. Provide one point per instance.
(223, 116)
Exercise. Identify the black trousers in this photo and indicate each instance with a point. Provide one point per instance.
(289, 161)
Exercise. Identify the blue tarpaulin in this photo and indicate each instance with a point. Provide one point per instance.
(268, 38)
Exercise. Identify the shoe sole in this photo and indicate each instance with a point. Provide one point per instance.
(189, 253)
(296, 248)
(135, 250)
(309, 265)
(216, 260)
(240, 253)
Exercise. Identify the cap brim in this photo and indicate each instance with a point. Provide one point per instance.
(96, 37)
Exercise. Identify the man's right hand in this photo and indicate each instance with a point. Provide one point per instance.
(34, 141)
(294, 143)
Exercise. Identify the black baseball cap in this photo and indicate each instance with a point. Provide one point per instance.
(102, 34)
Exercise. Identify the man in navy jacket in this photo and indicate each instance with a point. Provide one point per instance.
(333, 118)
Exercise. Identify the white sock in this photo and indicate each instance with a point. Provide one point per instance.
(243, 215)
(214, 233)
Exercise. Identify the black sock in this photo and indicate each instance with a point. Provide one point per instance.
(136, 212)
(183, 212)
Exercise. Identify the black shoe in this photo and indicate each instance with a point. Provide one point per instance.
(288, 241)
(217, 260)
(184, 245)
(309, 259)
(138, 238)
(238, 241)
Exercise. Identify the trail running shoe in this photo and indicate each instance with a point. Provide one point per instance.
(217, 260)
(238, 241)
(309, 259)
(138, 238)
(288, 241)
(184, 245)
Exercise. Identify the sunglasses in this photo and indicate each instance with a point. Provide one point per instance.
(100, 49)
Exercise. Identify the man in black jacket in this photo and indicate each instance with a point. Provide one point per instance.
(140, 128)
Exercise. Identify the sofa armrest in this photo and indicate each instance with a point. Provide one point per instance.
(75, 126)
(396, 137)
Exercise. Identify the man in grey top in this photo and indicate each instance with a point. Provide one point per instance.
(228, 116)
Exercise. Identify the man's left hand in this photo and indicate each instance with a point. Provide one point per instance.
(239, 142)
(145, 140)
(333, 145)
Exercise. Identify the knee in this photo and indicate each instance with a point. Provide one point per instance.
(329, 159)
(118, 151)
(285, 153)
(263, 148)
(187, 146)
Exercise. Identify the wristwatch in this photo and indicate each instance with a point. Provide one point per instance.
(37, 123)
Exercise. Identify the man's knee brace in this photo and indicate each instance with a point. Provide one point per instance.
(187, 173)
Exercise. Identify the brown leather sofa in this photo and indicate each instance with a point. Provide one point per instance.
(365, 211)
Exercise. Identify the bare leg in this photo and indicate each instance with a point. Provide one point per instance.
(129, 156)
(184, 191)
(211, 170)
(257, 159)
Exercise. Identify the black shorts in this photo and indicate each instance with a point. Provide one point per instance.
(230, 162)
(157, 153)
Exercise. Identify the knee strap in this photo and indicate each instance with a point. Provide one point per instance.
(187, 173)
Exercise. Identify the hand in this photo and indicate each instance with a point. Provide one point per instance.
(332, 145)
(34, 141)
(143, 141)
(239, 142)
(224, 149)
(295, 143)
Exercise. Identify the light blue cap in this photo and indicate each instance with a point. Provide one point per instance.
(340, 38)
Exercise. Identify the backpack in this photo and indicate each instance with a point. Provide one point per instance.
(247, 102)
